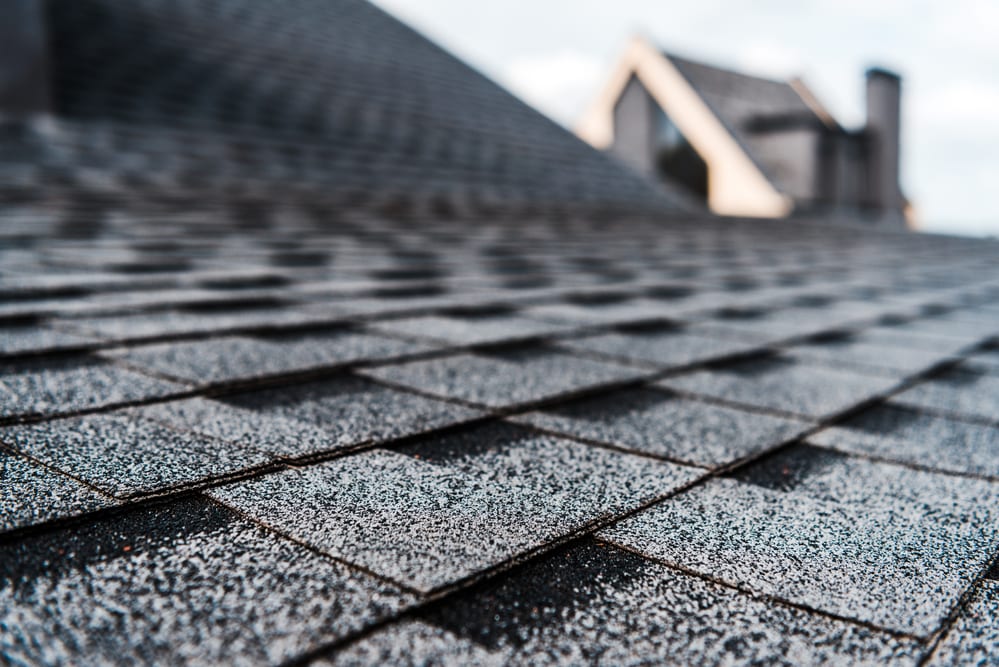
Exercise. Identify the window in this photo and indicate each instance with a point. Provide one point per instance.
(676, 160)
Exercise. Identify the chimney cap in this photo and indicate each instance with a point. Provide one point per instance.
(881, 72)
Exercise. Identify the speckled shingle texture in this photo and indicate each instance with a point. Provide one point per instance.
(31, 494)
(61, 386)
(843, 558)
(598, 604)
(126, 454)
(233, 359)
(189, 584)
(901, 434)
(316, 346)
(506, 378)
(661, 424)
(974, 638)
(969, 392)
(662, 349)
(477, 509)
(785, 385)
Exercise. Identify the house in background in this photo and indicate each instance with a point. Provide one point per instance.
(749, 146)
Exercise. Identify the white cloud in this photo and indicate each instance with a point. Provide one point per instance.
(963, 106)
(770, 58)
(556, 54)
(558, 83)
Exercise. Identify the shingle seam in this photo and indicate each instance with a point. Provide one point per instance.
(955, 612)
(34, 417)
(946, 414)
(757, 595)
(873, 458)
(282, 535)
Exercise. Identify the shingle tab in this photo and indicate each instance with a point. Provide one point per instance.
(785, 385)
(505, 379)
(31, 494)
(850, 557)
(38, 338)
(904, 435)
(430, 524)
(59, 386)
(471, 329)
(237, 358)
(854, 353)
(186, 584)
(415, 522)
(126, 454)
(580, 482)
(659, 423)
(663, 349)
(321, 416)
(599, 604)
(974, 637)
(968, 391)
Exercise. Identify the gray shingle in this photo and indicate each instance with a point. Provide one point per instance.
(505, 379)
(785, 385)
(601, 312)
(125, 454)
(968, 391)
(187, 584)
(38, 338)
(31, 494)
(580, 482)
(415, 522)
(987, 360)
(904, 435)
(974, 637)
(430, 524)
(958, 332)
(663, 349)
(598, 604)
(324, 415)
(898, 564)
(832, 476)
(865, 357)
(53, 387)
(470, 330)
(146, 325)
(897, 337)
(240, 358)
(658, 423)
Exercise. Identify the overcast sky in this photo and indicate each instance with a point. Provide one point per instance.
(556, 54)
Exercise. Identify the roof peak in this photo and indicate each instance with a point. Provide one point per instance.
(673, 56)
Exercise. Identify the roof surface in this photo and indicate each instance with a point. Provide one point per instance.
(270, 424)
(492, 440)
(329, 95)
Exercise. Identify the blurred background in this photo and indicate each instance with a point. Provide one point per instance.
(558, 54)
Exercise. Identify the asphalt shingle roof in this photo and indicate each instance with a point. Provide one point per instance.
(267, 424)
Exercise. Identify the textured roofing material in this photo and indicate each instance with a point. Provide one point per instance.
(474, 480)
(267, 424)
(327, 97)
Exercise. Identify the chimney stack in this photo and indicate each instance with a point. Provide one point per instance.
(884, 95)
(24, 67)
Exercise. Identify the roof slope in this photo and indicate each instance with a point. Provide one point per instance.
(265, 425)
(743, 102)
(338, 93)
(236, 438)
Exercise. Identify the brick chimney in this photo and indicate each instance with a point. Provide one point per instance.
(884, 94)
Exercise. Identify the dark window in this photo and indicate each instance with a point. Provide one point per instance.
(676, 159)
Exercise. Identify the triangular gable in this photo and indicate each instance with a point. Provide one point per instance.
(737, 185)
